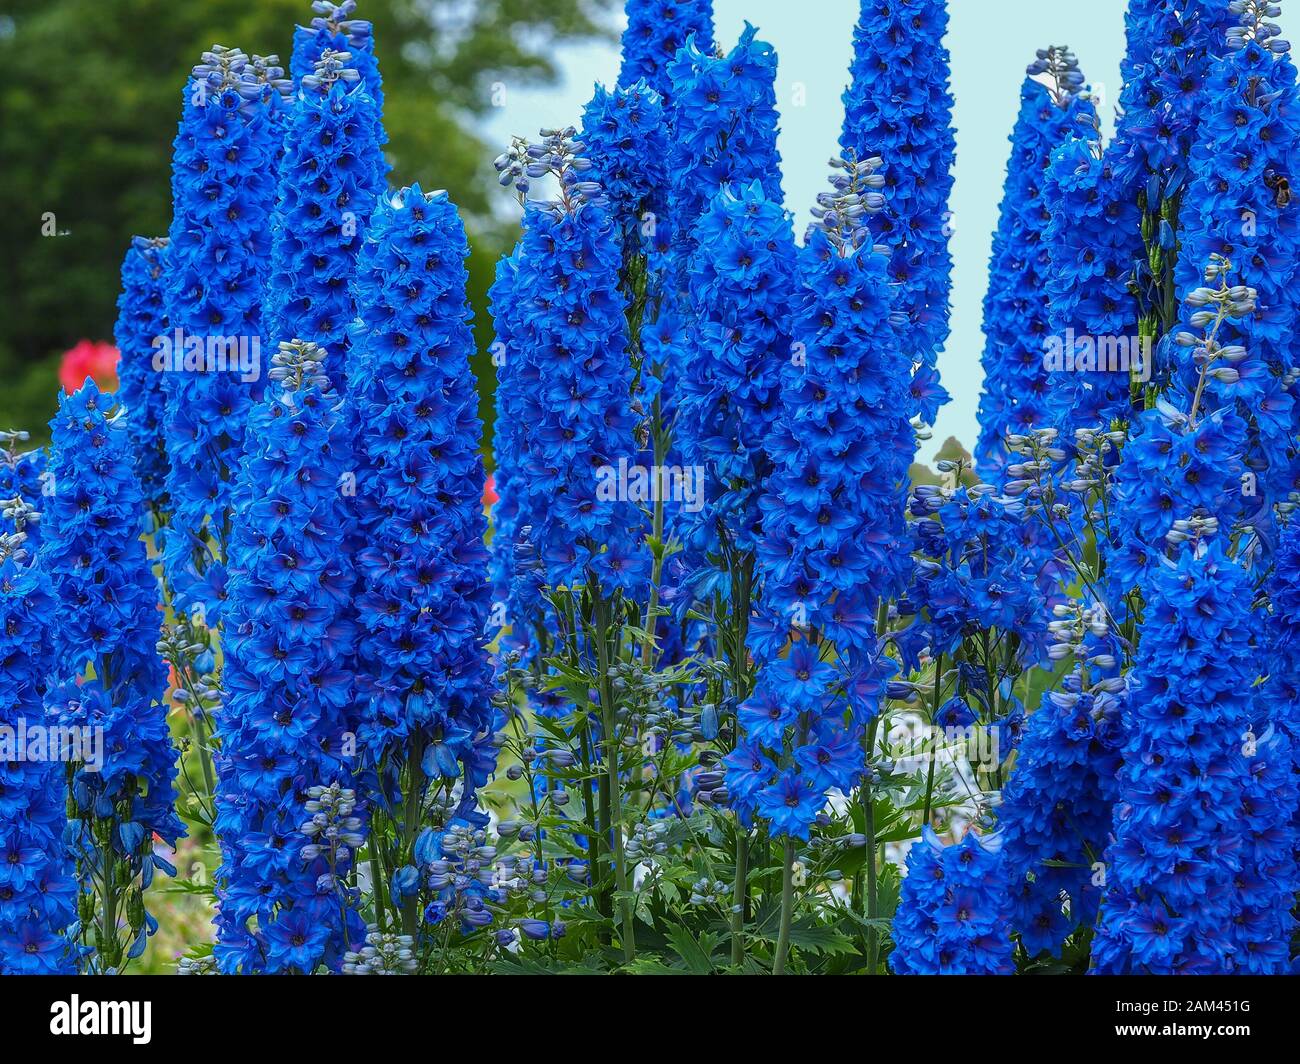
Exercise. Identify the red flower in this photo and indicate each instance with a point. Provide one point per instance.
(490, 495)
(89, 358)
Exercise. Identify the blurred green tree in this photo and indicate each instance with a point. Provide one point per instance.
(88, 108)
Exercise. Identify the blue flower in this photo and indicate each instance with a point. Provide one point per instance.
(288, 712)
(898, 107)
(223, 196)
(423, 596)
(37, 888)
(141, 321)
(952, 909)
(1172, 871)
(1016, 310)
(106, 672)
(656, 31)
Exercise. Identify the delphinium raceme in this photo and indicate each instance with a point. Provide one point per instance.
(898, 107)
(656, 31)
(1171, 870)
(724, 127)
(1238, 203)
(573, 379)
(952, 909)
(331, 175)
(1056, 810)
(335, 29)
(424, 601)
(1016, 319)
(141, 324)
(106, 674)
(829, 552)
(284, 728)
(1164, 98)
(1093, 237)
(38, 894)
(223, 195)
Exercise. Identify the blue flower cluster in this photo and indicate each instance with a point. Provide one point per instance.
(572, 379)
(1016, 313)
(1056, 810)
(335, 29)
(223, 196)
(1238, 205)
(423, 606)
(656, 31)
(831, 546)
(107, 674)
(743, 280)
(286, 726)
(625, 134)
(38, 893)
(952, 909)
(1189, 786)
(981, 566)
(142, 320)
(898, 107)
(1094, 236)
(332, 173)
(1164, 76)
(724, 124)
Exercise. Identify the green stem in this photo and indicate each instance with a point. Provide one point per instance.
(934, 712)
(787, 910)
(738, 897)
(608, 720)
(869, 829)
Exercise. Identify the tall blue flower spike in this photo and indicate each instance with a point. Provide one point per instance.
(423, 607)
(574, 381)
(38, 893)
(331, 176)
(286, 729)
(106, 673)
(1017, 321)
(141, 327)
(1238, 205)
(223, 196)
(656, 31)
(898, 107)
(1189, 774)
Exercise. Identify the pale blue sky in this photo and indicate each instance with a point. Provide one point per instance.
(991, 41)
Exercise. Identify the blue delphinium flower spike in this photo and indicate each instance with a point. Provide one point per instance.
(107, 675)
(898, 107)
(286, 726)
(38, 894)
(141, 327)
(1016, 312)
(656, 31)
(424, 599)
(223, 195)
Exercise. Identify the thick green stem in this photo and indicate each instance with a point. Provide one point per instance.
(934, 712)
(738, 897)
(609, 723)
(869, 829)
(410, 828)
(787, 910)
